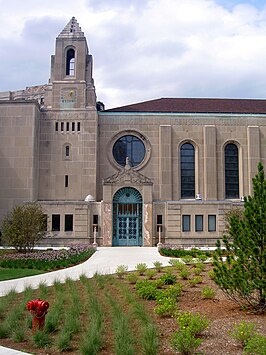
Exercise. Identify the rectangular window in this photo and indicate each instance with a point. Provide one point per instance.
(95, 221)
(211, 222)
(68, 222)
(56, 126)
(199, 223)
(62, 126)
(67, 126)
(73, 126)
(186, 223)
(159, 222)
(55, 222)
(78, 129)
(66, 180)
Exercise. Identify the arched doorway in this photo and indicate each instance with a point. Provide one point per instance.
(127, 217)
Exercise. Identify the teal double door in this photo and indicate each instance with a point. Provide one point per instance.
(127, 217)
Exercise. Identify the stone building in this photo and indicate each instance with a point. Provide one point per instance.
(123, 174)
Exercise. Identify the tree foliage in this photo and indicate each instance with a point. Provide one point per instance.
(24, 226)
(242, 274)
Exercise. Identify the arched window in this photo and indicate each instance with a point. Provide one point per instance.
(187, 163)
(231, 171)
(70, 62)
(67, 150)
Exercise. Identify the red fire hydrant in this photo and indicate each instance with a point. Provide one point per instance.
(38, 309)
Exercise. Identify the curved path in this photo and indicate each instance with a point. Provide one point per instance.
(104, 261)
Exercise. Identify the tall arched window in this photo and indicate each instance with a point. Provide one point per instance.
(67, 150)
(231, 171)
(187, 162)
(70, 62)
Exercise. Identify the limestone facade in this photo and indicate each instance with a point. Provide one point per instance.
(59, 147)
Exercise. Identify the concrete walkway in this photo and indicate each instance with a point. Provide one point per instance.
(104, 261)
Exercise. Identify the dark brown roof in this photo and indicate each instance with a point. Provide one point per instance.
(179, 105)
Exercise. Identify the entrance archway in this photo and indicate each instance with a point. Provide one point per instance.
(127, 217)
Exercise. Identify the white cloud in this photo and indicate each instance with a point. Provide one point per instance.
(143, 49)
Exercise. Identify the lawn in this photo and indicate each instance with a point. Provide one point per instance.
(8, 274)
(126, 314)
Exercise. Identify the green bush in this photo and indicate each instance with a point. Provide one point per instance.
(185, 342)
(168, 279)
(207, 292)
(150, 273)
(132, 277)
(146, 289)
(187, 259)
(179, 253)
(256, 345)
(166, 307)
(243, 332)
(195, 281)
(185, 273)
(194, 322)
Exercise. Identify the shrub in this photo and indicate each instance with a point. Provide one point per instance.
(166, 307)
(132, 277)
(207, 292)
(121, 271)
(202, 257)
(195, 281)
(150, 273)
(194, 322)
(185, 273)
(168, 279)
(243, 332)
(196, 271)
(158, 266)
(211, 274)
(185, 342)
(141, 268)
(146, 289)
(187, 259)
(256, 345)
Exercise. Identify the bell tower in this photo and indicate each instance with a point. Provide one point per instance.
(71, 84)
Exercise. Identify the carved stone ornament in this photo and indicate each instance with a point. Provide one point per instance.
(127, 174)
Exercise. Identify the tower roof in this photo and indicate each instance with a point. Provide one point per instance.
(71, 30)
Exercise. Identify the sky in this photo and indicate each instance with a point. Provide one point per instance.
(142, 49)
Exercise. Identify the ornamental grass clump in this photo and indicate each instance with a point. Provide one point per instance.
(132, 277)
(158, 266)
(121, 270)
(150, 273)
(168, 278)
(141, 268)
(195, 281)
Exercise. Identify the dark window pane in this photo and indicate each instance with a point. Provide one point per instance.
(56, 222)
(187, 163)
(231, 171)
(186, 223)
(70, 62)
(68, 222)
(131, 147)
(211, 223)
(199, 223)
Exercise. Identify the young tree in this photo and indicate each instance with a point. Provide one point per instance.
(242, 274)
(24, 226)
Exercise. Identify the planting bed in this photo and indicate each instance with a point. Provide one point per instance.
(108, 313)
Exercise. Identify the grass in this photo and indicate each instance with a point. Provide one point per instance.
(9, 274)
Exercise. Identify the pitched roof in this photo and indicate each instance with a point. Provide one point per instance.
(195, 105)
(72, 29)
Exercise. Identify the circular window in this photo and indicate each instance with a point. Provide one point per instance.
(130, 147)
